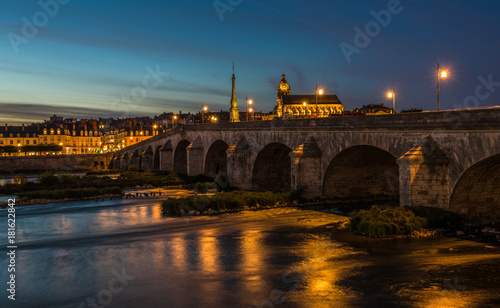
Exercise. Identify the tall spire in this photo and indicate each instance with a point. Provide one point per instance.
(234, 113)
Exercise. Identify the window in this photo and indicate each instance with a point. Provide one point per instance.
(1, 141)
(34, 141)
(136, 139)
(12, 142)
(27, 142)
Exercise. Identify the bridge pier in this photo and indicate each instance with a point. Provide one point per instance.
(195, 158)
(306, 168)
(167, 157)
(424, 177)
(239, 165)
(147, 160)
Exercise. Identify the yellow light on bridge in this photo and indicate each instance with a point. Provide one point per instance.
(304, 104)
(320, 91)
(444, 74)
(390, 94)
(250, 102)
(251, 110)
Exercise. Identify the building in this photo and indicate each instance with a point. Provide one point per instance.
(315, 106)
(373, 109)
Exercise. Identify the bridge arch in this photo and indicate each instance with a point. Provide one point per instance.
(156, 158)
(216, 158)
(478, 188)
(362, 171)
(272, 168)
(180, 157)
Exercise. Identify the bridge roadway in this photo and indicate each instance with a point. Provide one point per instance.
(449, 160)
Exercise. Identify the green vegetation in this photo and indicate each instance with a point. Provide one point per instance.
(40, 148)
(9, 149)
(21, 179)
(381, 222)
(105, 172)
(70, 193)
(223, 202)
(202, 188)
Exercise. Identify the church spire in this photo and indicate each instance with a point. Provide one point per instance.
(234, 113)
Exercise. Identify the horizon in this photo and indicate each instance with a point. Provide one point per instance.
(125, 59)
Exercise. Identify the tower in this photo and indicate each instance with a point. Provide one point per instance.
(283, 89)
(234, 112)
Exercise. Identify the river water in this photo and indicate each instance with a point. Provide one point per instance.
(124, 253)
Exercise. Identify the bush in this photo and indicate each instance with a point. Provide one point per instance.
(222, 182)
(132, 168)
(380, 222)
(48, 178)
(232, 201)
(21, 179)
(202, 188)
(80, 193)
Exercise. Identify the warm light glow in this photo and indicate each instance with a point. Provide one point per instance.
(320, 91)
(18, 144)
(251, 110)
(444, 74)
(175, 117)
(60, 143)
(304, 104)
(390, 94)
(250, 102)
(154, 126)
(205, 108)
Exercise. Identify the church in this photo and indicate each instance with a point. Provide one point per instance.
(306, 106)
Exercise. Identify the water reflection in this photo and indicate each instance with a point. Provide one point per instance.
(268, 258)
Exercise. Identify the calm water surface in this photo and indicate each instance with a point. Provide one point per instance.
(124, 253)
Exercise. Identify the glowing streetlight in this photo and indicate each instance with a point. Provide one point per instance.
(393, 96)
(249, 103)
(440, 74)
(204, 109)
(318, 92)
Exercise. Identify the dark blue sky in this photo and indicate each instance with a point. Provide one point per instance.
(89, 56)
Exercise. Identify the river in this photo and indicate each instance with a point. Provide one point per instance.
(124, 253)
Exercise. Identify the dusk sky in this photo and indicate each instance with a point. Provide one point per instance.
(89, 56)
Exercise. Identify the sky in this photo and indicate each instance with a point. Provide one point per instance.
(120, 58)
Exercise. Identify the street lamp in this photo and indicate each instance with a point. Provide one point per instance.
(173, 122)
(249, 103)
(440, 74)
(304, 104)
(393, 96)
(320, 92)
(154, 130)
(204, 109)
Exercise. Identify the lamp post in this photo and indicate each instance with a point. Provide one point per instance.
(204, 109)
(173, 121)
(320, 92)
(304, 104)
(250, 110)
(440, 74)
(154, 130)
(393, 96)
(249, 103)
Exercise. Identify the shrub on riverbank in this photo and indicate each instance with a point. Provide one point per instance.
(381, 222)
(223, 202)
(70, 193)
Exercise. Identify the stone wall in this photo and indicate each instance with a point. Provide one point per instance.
(55, 162)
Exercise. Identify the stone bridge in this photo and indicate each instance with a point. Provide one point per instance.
(449, 160)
